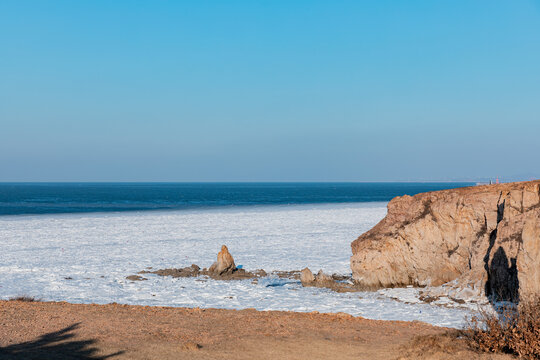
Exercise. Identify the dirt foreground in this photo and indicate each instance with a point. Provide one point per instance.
(45, 330)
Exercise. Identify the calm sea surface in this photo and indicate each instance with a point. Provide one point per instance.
(47, 198)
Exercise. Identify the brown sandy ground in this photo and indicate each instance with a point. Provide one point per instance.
(48, 330)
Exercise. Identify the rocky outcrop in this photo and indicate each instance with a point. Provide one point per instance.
(320, 280)
(335, 282)
(195, 271)
(306, 277)
(224, 263)
(477, 241)
(324, 280)
(223, 269)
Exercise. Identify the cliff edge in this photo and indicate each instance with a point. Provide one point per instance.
(477, 241)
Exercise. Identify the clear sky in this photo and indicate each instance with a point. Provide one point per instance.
(269, 90)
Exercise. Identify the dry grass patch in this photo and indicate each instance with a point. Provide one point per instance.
(446, 346)
(512, 330)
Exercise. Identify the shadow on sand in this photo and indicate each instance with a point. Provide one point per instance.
(54, 345)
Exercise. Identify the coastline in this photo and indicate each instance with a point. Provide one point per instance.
(62, 330)
(86, 258)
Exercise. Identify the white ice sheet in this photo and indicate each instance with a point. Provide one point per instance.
(98, 251)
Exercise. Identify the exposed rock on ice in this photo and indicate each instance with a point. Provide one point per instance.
(306, 277)
(224, 263)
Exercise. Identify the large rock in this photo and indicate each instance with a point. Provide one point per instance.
(224, 264)
(482, 240)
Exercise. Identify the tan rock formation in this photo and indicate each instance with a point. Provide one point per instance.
(528, 259)
(485, 239)
(323, 279)
(306, 277)
(224, 263)
(334, 282)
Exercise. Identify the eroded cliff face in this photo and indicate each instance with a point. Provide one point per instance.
(485, 240)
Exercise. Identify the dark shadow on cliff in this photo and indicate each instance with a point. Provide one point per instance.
(55, 345)
(502, 276)
(502, 283)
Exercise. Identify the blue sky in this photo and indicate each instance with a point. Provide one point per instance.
(269, 90)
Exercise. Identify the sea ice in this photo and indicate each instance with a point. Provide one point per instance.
(85, 258)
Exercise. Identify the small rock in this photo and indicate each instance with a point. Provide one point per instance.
(191, 346)
(306, 277)
(322, 278)
(135, 278)
(260, 273)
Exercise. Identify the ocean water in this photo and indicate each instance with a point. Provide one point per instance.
(84, 257)
(49, 198)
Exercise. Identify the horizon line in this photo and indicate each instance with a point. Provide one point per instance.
(240, 182)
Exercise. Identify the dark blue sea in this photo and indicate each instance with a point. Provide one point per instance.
(49, 198)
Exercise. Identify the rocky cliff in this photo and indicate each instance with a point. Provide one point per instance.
(478, 241)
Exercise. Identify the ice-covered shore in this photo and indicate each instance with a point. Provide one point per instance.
(85, 258)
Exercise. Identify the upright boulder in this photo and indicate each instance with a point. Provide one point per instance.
(306, 277)
(224, 264)
(485, 239)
